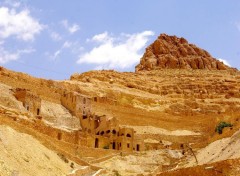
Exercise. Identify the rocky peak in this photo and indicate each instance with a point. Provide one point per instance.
(176, 53)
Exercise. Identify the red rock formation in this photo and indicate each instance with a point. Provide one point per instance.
(173, 52)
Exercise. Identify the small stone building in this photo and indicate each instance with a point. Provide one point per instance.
(76, 103)
(29, 100)
(103, 131)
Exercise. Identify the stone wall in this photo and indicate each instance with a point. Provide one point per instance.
(30, 101)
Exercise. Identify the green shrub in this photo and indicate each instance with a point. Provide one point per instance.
(222, 125)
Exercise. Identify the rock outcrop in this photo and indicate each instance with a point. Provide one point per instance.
(176, 53)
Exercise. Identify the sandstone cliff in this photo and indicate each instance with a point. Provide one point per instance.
(176, 53)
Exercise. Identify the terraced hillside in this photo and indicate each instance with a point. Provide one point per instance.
(173, 101)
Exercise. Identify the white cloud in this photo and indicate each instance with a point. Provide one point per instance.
(73, 47)
(55, 36)
(21, 24)
(6, 56)
(56, 54)
(224, 61)
(74, 28)
(116, 52)
(101, 37)
(71, 28)
(65, 45)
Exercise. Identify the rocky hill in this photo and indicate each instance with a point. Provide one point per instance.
(173, 52)
(177, 96)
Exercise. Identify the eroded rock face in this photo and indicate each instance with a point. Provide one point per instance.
(176, 53)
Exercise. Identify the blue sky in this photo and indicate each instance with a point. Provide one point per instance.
(54, 39)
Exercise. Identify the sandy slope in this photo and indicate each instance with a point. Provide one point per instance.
(226, 148)
(155, 130)
(139, 163)
(22, 155)
(58, 116)
(8, 100)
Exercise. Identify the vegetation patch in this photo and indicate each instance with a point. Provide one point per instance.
(222, 125)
